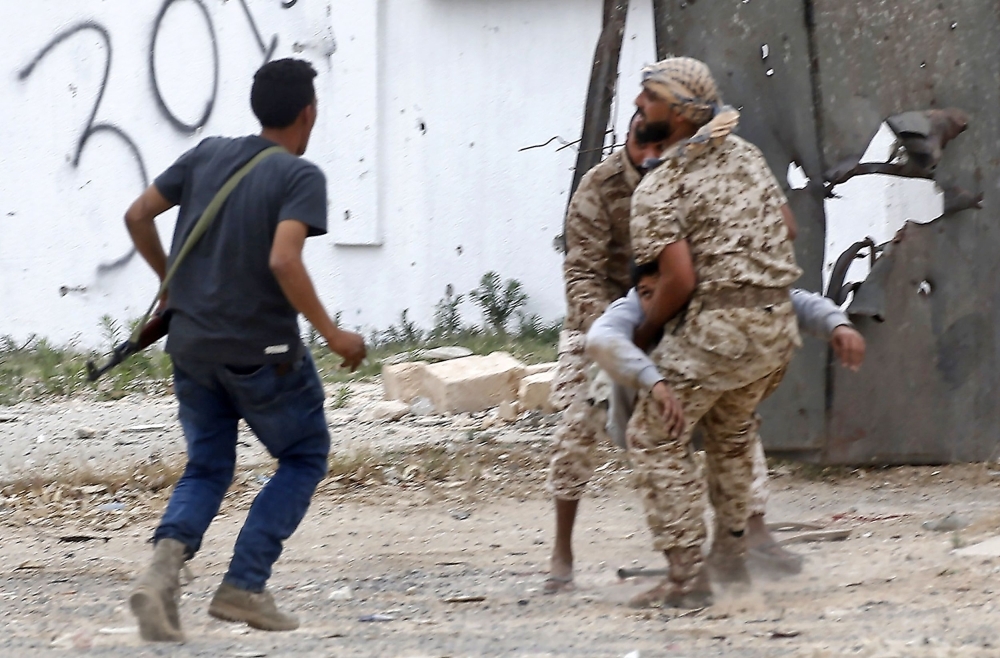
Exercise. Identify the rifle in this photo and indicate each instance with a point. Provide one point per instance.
(151, 332)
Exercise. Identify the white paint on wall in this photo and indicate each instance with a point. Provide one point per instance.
(876, 206)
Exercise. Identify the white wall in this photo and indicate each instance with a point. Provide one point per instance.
(425, 105)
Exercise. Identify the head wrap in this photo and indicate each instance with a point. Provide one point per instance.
(688, 86)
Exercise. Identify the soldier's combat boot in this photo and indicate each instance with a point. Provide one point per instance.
(154, 597)
(256, 609)
(687, 586)
(727, 560)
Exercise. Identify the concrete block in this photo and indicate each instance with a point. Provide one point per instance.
(540, 367)
(403, 381)
(472, 383)
(533, 392)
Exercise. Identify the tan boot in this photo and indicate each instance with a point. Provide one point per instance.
(727, 559)
(257, 609)
(154, 597)
(764, 555)
(686, 587)
(773, 560)
(691, 594)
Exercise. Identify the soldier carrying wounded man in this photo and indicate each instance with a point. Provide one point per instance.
(712, 216)
(609, 344)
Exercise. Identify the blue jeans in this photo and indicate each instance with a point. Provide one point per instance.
(283, 405)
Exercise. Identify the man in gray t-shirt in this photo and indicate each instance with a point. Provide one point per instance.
(227, 304)
(234, 340)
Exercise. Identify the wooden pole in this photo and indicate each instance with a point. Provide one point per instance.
(661, 25)
(601, 93)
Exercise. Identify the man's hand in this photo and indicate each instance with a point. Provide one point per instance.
(849, 346)
(350, 346)
(670, 408)
(288, 268)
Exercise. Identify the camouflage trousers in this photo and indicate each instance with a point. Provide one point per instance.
(667, 475)
(583, 424)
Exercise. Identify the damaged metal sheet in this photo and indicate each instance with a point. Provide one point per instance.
(927, 392)
(760, 55)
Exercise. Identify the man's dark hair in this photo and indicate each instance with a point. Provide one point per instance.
(639, 272)
(281, 90)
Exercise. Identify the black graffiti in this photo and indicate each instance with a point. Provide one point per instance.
(267, 50)
(92, 126)
(175, 121)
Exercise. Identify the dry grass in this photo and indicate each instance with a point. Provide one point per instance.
(475, 468)
(151, 476)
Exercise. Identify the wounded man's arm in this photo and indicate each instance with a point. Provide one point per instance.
(817, 315)
(609, 344)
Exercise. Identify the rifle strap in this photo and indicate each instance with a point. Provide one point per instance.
(211, 210)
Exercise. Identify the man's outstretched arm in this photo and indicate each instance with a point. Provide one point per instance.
(290, 271)
(818, 316)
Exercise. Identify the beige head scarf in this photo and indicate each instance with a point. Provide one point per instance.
(687, 84)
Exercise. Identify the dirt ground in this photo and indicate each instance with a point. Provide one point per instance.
(410, 550)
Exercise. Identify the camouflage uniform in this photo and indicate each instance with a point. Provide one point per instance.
(596, 272)
(731, 345)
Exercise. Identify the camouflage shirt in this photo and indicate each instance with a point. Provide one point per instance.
(726, 203)
(596, 268)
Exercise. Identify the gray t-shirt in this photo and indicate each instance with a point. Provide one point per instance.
(227, 305)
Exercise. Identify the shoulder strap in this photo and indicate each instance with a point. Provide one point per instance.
(211, 210)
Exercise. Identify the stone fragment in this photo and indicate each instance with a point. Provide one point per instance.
(473, 383)
(85, 432)
(403, 381)
(988, 548)
(139, 429)
(384, 411)
(508, 411)
(946, 524)
(342, 594)
(533, 392)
